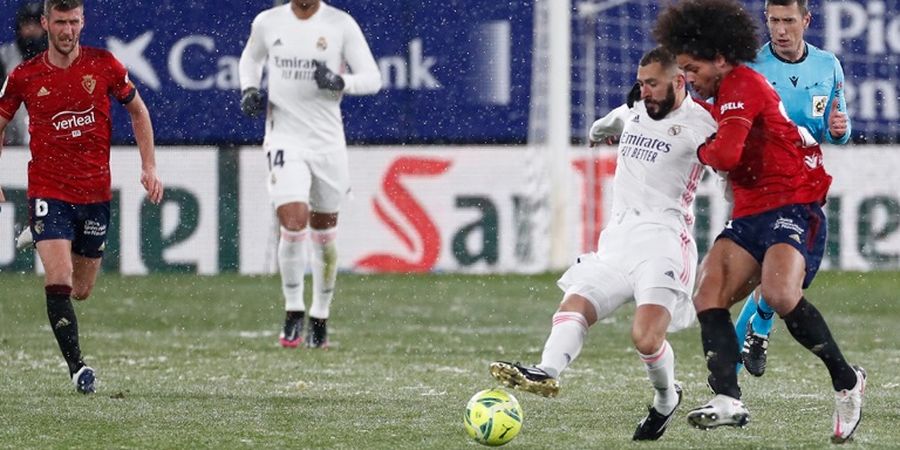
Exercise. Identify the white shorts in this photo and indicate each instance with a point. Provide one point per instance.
(633, 260)
(321, 180)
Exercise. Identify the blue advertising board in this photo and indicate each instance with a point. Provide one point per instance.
(865, 36)
(454, 71)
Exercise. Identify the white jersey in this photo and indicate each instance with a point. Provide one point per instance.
(657, 170)
(302, 117)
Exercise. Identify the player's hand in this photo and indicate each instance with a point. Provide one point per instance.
(326, 79)
(251, 102)
(2, 197)
(608, 140)
(152, 184)
(837, 120)
(633, 95)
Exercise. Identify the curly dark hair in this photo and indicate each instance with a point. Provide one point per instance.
(706, 28)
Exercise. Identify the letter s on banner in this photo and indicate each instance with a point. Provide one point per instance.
(426, 244)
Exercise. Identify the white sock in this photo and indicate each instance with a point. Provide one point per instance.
(324, 271)
(564, 343)
(661, 371)
(293, 255)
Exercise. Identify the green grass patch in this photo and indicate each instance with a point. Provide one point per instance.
(193, 362)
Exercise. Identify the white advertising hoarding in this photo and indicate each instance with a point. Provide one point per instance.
(423, 209)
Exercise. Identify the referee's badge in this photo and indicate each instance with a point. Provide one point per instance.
(818, 105)
(322, 44)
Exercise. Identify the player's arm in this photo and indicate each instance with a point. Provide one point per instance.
(609, 126)
(250, 70)
(740, 101)
(723, 150)
(838, 121)
(143, 134)
(10, 100)
(365, 78)
(3, 123)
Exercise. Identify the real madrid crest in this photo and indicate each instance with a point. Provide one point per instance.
(39, 227)
(88, 83)
(322, 44)
(674, 130)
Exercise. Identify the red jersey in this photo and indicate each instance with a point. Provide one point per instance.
(69, 122)
(770, 162)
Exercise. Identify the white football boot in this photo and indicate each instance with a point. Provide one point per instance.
(848, 408)
(721, 410)
(24, 239)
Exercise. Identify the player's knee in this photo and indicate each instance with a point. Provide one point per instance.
(647, 342)
(706, 297)
(293, 224)
(82, 292)
(782, 299)
(293, 216)
(581, 305)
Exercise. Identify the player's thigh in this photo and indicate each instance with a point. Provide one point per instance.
(56, 257)
(783, 271)
(573, 302)
(664, 262)
(91, 228)
(795, 237)
(322, 221)
(289, 178)
(330, 181)
(84, 275)
(648, 330)
(598, 280)
(292, 215)
(88, 245)
(53, 226)
(727, 275)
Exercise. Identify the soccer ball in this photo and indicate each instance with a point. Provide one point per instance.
(493, 417)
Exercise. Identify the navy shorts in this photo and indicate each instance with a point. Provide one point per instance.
(802, 226)
(84, 225)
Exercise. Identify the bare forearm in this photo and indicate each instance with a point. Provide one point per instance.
(143, 134)
(3, 123)
(143, 131)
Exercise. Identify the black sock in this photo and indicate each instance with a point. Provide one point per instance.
(722, 356)
(808, 327)
(317, 324)
(64, 324)
(294, 316)
(318, 331)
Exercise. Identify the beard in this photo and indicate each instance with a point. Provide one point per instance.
(58, 45)
(30, 47)
(663, 107)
